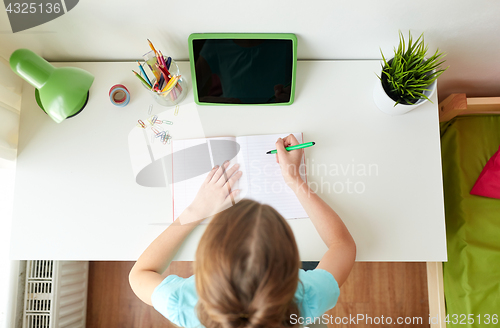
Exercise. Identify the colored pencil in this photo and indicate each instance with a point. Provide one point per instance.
(142, 80)
(171, 83)
(145, 75)
(152, 47)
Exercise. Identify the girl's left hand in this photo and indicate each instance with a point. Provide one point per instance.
(215, 193)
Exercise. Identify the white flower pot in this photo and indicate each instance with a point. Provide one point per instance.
(386, 104)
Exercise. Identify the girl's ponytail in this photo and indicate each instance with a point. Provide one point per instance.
(246, 269)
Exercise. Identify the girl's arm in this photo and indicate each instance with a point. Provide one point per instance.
(212, 197)
(341, 254)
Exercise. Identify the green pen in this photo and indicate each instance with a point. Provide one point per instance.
(300, 146)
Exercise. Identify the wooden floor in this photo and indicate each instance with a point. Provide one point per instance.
(372, 290)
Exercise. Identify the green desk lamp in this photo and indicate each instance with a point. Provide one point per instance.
(60, 92)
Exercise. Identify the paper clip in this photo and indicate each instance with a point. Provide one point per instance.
(150, 109)
(161, 134)
(141, 123)
(176, 110)
(156, 131)
(166, 139)
(153, 119)
(168, 122)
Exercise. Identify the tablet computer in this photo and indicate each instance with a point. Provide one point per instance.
(243, 68)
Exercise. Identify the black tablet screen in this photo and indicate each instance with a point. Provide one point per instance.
(243, 71)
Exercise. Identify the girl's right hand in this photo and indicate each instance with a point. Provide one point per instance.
(289, 161)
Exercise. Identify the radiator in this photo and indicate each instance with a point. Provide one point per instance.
(55, 294)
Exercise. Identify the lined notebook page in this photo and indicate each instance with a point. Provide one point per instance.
(264, 180)
(261, 180)
(184, 189)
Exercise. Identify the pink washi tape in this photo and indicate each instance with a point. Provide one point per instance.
(119, 95)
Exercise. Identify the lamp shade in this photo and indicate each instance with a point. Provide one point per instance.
(61, 92)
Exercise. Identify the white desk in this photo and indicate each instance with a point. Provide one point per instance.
(76, 197)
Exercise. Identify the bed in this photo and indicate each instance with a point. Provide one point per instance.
(465, 291)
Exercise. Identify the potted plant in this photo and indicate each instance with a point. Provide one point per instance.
(409, 78)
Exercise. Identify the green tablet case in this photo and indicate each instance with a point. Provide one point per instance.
(219, 36)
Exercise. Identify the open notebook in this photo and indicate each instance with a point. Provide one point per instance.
(261, 180)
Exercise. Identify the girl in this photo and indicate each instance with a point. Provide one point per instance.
(247, 269)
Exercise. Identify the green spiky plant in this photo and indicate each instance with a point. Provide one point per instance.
(406, 76)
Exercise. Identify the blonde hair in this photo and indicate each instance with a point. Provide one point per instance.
(247, 269)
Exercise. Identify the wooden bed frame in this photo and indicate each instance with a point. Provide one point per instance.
(458, 104)
(455, 105)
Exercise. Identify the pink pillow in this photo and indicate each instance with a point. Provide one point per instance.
(488, 183)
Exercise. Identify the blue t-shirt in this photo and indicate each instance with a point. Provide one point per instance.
(175, 297)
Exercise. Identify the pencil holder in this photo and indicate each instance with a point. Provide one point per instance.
(173, 95)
